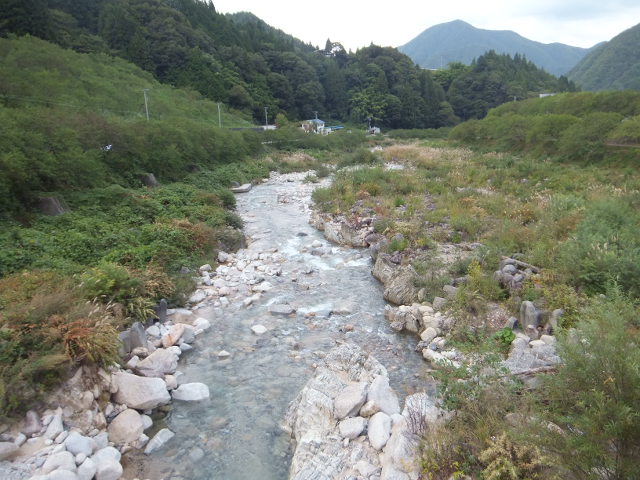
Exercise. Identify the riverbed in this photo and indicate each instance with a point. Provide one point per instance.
(236, 434)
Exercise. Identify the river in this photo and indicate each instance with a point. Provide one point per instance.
(236, 435)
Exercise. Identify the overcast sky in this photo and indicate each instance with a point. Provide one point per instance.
(580, 23)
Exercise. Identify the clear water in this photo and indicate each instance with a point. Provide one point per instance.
(236, 435)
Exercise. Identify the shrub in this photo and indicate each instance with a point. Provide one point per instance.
(599, 435)
(506, 460)
(605, 248)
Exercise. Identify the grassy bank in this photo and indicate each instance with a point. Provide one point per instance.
(577, 223)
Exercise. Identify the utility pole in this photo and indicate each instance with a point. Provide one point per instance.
(146, 102)
(219, 117)
(265, 116)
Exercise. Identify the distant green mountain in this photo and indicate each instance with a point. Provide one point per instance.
(614, 65)
(459, 41)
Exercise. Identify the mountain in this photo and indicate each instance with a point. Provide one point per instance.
(614, 65)
(459, 41)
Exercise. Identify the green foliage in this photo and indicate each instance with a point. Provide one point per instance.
(600, 426)
(605, 247)
(46, 325)
(495, 79)
(504, 337)
(582, 127)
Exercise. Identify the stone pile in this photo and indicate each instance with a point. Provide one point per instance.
(347, 422)
(513, 273)
(99, 415)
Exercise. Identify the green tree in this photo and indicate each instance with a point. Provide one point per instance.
(600, 436)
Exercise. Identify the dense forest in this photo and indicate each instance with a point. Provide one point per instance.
(244, 63)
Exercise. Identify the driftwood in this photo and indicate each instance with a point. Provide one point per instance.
(533, 268)
(535, 371)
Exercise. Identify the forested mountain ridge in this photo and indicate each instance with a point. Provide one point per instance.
(494, 79)
(458, 41)
(614, 65)
(239, 60)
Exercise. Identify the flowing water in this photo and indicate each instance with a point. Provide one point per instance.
(236, 435)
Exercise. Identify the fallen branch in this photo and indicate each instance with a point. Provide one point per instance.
(533, 268)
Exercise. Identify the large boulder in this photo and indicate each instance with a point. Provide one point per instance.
(59, 461)
(77, 443)
(7, 450)
(379, 430)
(126, 427)
(191, 392)
(139, 392)
(319, 451)
(159, 440)
(161, 362)
(398, 280)
(381, 394)
(348, 402)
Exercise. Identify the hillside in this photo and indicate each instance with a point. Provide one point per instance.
(239, 60)
(614, 65)
(458, 41)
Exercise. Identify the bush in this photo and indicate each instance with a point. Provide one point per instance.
(599, 435)
(605, 248)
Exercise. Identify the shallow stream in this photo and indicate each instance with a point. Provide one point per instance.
(236, 435)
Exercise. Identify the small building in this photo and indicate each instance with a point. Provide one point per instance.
(314, 125)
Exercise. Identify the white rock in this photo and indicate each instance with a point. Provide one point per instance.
(62, 475)
(126, 427)
(259, 329)
(548, 339)
(102, 440)
(55, 427)
(202, 323)
(197, 296)
(159, 363)
(87, 470)
(383, 396)
(348, 402)
(379, 430)
(352, 427)
(80, 458)
(171, 381)
(107, 454)
(365, 468)
(223, 354)
(7, 450)
(140, 392)
(58, 448)
(141, 442)
(204, 268)
(108, 470)
(77, 443)
(191, 392)
(537, 343)
(159, 440)
(59, 461)
(429, 334)
(20, 439)
(369, 409)
(153, 331)
(133, 362)
(173, 335)
(61, 437)
(147, 422)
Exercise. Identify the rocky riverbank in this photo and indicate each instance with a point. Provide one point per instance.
(347, 422)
